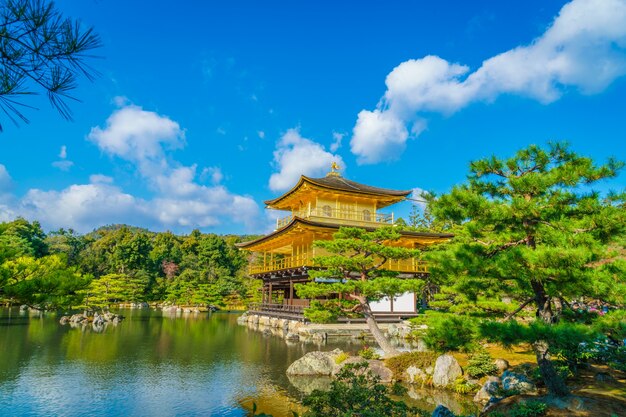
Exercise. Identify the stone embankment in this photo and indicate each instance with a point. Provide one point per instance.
(294, 330)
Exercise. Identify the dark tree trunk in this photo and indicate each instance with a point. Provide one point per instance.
(372, 325)
(554, 383)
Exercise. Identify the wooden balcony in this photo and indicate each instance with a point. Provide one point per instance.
(347, 217)
(287, 262)
(412, 266)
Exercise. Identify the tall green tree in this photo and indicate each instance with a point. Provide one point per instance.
(40, 50)
(531, 228)
(355, 259)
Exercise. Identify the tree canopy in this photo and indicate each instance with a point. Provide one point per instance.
(532, 230)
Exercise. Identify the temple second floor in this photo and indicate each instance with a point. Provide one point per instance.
(293, 247)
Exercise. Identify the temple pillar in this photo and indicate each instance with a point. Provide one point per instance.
(290, 292)
(270, 294)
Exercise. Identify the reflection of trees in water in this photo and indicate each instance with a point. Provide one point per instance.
(197, 347)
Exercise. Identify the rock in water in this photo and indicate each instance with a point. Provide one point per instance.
(315, 363)
(514, 382)
(64, 320)
(442, 411)
(292, 337)
(447, 370)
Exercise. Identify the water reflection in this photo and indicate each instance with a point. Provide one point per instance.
(190, 364)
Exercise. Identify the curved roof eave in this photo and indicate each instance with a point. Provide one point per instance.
(348, 185)
(300, 220)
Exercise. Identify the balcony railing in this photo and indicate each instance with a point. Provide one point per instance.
(287, 262)
(363, 217)
(402, 265)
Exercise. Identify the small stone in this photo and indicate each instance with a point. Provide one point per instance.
(442, 411)
(292, 337)
(64, 320)
(501, 364)
(603, 377)
(489, 390)
(415, 375)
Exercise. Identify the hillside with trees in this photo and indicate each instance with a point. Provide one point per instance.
(119, 264)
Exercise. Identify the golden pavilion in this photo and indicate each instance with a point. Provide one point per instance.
(317, 208)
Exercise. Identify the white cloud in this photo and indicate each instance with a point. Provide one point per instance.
(261, 134)
(295, 156)
(337, 138)
(179, 201)
(63, 165)
(137, 135)
(101, 179)
(584, 48)
(5, 180)
(212, 173)
(82, 207)
(416, 197)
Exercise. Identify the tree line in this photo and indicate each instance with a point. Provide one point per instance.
(119, 264)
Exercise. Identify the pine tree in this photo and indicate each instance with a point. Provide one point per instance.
(530, 227)
(355, 258)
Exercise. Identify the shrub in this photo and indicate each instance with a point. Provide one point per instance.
(368, 353)
(398, 364)
(356, 392)
(449, 332)
(481, 364)
(528, 409)
(463, 386)
(341, 357)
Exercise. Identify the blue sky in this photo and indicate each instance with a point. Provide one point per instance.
(205, 109)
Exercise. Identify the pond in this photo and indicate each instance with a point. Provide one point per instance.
(154, 365)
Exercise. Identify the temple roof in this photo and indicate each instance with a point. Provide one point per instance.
(338, 183)
(298, 222)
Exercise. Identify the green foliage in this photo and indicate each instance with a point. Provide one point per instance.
(341, 357)
(119, 264)
(398, 364)
(47, 282)
(368, 353)
(41, 50)
(463, 386)
(328, 311)
(448, 332)
(356, 392)
(528, 227)
(528, 409)
(481, 364)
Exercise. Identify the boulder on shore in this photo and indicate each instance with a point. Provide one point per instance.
(315, 363)
(514, 382)
(501, 364)
(490, 390)
(376, 366)
(442, 411)
(446, 371)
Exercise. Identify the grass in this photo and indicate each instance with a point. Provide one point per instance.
(515, 356)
